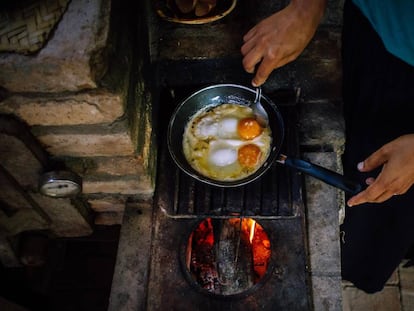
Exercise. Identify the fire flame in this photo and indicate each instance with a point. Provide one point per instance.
(205, 245)
(252, 227)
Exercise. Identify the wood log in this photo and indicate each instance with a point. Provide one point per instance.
(234, 258)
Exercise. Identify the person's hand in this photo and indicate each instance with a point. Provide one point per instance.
(397, 174)
(280, 38)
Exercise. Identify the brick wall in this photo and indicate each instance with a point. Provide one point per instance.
(84, 98)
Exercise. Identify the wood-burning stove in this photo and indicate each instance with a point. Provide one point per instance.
(151, 269)
(274, 201)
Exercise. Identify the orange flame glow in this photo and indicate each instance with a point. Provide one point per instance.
(252, 227)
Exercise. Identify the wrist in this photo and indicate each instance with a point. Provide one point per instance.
(312, 10)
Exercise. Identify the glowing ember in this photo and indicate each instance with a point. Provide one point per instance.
(228, 256)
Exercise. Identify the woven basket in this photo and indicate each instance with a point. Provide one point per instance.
(26, 26)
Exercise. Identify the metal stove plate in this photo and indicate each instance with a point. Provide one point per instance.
(277, 194)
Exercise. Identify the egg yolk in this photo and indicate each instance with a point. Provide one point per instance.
(248, 128)
(248, 155)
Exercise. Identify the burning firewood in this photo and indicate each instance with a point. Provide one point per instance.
(203, 264)
(228, 256)
(234, 258)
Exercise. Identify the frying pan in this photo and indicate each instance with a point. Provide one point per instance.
(218, 94)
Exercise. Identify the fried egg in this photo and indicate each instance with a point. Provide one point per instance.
(216, 145)
(217, 126)
(222, 153)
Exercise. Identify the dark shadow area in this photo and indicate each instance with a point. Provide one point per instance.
(77, 275)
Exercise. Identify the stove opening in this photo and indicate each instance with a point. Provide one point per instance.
(228, 256)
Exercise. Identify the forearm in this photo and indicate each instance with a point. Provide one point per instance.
(312, 10)
(315, 8)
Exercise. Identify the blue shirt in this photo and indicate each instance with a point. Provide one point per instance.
(393, 20)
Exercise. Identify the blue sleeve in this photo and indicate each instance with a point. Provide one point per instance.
(393, 20)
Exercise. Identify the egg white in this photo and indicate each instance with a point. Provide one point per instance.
(211, 142)
(221, 153)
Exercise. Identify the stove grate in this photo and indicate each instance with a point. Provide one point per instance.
(276, 194)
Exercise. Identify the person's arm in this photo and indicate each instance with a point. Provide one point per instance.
(397, 174)
(280, 38)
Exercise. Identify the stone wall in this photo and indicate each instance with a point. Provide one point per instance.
(84, 99)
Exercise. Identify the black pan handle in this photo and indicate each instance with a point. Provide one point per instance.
(330, 177)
